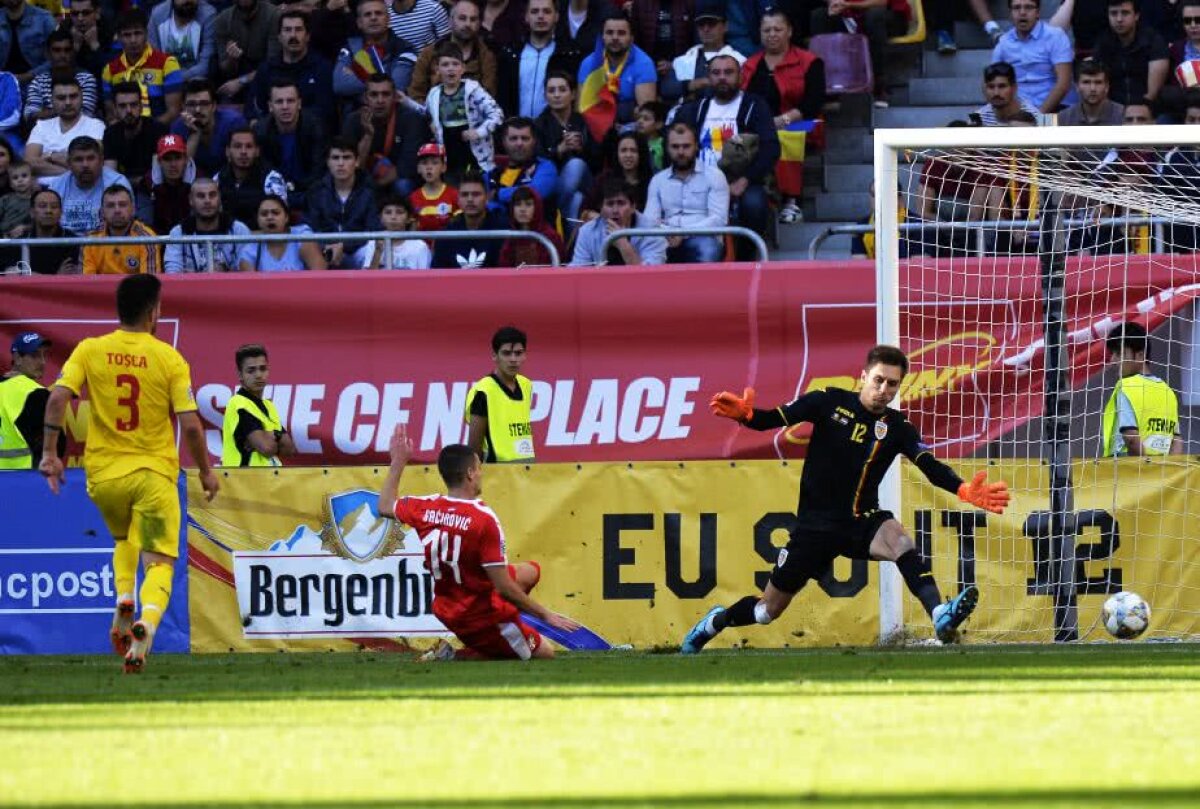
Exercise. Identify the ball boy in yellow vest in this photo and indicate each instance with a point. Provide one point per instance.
(1142, 415)
(497, 409)
(252, 433)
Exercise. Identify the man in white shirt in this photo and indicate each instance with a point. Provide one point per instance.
(688, 195)
(689, 72)
(82, 189)
(46, 149)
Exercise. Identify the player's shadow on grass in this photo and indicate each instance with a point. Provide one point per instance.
(1160, 798)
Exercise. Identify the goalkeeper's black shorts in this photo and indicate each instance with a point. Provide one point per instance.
(812, 547)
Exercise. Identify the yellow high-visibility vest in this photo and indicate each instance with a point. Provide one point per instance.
(1157, 411)
(14, 451)
(231, 453)
(509, 434)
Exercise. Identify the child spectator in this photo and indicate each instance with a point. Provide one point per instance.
(463, 116)
(397, 216)
(14, 206)
(651, 118)
(525, 212)
(435, 201)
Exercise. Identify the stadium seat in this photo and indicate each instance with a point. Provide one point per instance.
(915, 35)
(847, 62)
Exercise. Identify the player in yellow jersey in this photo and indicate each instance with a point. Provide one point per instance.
(134, 382)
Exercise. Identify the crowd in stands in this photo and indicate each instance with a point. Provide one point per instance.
(1093, 63)
(567, 118)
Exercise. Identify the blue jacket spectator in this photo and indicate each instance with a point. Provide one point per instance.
(744, 17)
(33, 27)
(638, 71)
(328, 213)
(10, 111)
(195, 56)
(540, 175)
(1043, 58)
(299, 158)
(215, 124)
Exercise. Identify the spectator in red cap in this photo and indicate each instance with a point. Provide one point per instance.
(435, 202)
(171, 178)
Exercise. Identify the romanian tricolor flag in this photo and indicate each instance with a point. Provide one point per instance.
(789, 171)
(598, 94)
(367, 62)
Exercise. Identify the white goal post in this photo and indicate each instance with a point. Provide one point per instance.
(1023, 249)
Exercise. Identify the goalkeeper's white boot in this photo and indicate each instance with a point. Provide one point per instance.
(699, 635)
(143, 638)
(948, 617)
(122, 624)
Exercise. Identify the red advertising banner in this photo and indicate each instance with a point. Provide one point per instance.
(624, 360)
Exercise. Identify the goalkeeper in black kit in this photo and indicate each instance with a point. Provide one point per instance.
(855, 438)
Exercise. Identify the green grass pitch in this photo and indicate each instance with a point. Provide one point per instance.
(1088, 726)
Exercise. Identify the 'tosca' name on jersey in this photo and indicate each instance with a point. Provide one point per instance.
(126, 360)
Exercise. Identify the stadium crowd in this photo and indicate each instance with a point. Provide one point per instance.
(1092, 63)
(567, 118)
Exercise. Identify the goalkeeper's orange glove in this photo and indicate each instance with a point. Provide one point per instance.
(731, 406)
(991, 497)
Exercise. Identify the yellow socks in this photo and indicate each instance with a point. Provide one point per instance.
(125, 562)
(156, 593)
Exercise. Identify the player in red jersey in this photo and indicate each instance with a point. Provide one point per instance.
(476, 594)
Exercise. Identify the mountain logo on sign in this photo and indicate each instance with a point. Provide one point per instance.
(353, 528)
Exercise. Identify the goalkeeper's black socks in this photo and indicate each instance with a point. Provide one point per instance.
(740, 613)
(919, 579)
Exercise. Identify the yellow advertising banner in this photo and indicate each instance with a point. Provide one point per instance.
(295, 558)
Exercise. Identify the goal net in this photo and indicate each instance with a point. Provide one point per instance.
(1009, 259)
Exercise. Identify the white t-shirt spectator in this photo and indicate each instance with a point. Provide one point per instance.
(410, 254)
(81, 206)
(719, 125)
(50, 136)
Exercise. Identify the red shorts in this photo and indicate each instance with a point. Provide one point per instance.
(506, 640)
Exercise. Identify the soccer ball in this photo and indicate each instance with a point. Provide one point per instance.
(1126, 615)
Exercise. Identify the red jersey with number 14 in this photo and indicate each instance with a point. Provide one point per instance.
(461, 538)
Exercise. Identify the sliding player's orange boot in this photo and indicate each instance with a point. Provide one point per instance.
(121, 634)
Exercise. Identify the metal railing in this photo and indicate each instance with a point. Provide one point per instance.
(981, 227)
(387, 236)
(727, 230)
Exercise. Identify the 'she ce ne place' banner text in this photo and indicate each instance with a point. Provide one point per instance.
(624, 360)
